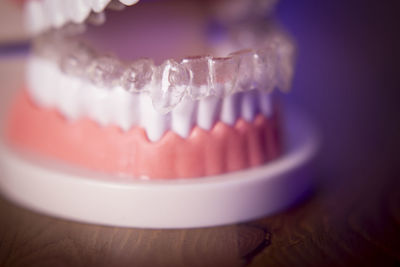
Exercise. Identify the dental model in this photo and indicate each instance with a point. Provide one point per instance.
(165, 114)
(160, 115)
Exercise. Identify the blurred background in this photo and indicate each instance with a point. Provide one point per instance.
(347, 79)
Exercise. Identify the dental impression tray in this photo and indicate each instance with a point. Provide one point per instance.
(156, 114)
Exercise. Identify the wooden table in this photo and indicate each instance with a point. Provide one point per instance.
(349, 224)
(352, 219)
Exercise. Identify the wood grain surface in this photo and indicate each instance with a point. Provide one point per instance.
(355, 223)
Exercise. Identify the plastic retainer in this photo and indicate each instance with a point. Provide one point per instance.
(268, 67)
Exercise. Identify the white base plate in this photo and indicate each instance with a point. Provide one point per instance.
(222, 199)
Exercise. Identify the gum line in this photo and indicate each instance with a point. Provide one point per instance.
(83, 143)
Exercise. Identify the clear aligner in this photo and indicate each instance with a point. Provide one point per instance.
(266, 68)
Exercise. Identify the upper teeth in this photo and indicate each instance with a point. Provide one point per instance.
(169, 83)
(42, 15)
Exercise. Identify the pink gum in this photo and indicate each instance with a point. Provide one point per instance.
(108, 149)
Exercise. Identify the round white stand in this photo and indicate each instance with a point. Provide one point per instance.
(222, 199)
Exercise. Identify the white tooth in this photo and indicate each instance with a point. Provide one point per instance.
(35, 17)
(33, 79)
(43, 14)
(47, 12)
(69, 90)
(91, 3)
(249, 105)
(96, 102)
(42, 75)
(55, 12)
(125, 108)
(99, 5)
(51, 80)
(207, 112)
(64, 7)
(70, 9)
(230, 109)
(183, 117)
(129, 2)
(116, 5)
(153, 122)
(79, 10)
(265, 103)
